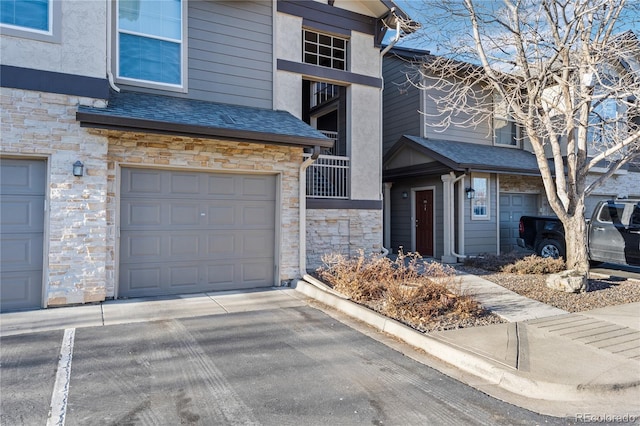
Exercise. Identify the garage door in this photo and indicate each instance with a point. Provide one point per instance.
(188, 232)
(22, 189)
(512, 206)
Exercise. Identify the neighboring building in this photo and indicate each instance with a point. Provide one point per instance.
(192, 122)
(458, 191)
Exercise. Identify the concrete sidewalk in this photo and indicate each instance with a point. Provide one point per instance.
(544, 359)
(148, 309)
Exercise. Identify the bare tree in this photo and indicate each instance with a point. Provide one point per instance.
(566, 71)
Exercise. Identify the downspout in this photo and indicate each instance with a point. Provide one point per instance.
(302, 208)
(386, 197)
(460, 214)
(109, 73)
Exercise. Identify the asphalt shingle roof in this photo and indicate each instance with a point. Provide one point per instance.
(142, 111)
(463, 155)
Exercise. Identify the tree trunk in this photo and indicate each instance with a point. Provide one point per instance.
(575, 230)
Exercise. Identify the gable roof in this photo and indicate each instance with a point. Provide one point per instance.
(463, 156)
(144, 112)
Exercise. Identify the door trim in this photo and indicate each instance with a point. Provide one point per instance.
(413, 216)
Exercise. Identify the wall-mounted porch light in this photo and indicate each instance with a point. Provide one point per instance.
(78, 168)
(471, 193)
(405, 194)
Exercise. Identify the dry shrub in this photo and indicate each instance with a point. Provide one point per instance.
(492, 262)
(408, 289)
(516, 263)
(535, 265)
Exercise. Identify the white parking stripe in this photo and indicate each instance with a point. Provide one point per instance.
(59, 397)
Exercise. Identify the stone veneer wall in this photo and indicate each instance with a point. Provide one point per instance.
(43, 125)
(342, 231)
(150, 150)
(623, 184)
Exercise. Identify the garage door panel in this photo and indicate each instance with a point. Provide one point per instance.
(22, 213)
(221, 275)
(221, 245)
(185, 246)
(258, 186)
(222, 216)
(254, 272)
(21, 251)
(140, 213)
(222, 186)
(253, 216)
(22, 177)
(185, 183)
(21, 290)
(142, 277)
(256, 244)
(184, 213)
(141, 182)
(202, 243)
(181, 276)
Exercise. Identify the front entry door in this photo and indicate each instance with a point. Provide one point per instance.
(424, 222)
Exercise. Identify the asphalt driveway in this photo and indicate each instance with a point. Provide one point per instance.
(274, 367)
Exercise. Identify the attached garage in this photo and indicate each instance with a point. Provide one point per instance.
(512, 207)
(190, 232)
(22, 195)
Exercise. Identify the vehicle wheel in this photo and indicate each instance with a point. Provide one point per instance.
(551, 248)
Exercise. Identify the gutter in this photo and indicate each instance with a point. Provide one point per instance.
(302, 209)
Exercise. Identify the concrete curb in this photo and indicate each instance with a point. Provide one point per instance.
(491, 371)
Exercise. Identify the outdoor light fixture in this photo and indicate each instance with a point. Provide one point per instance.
(471, 193)
(404, 194)
(78, 168)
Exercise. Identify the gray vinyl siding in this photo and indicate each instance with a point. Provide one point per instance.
(401, 103)
(480, 133)
(481, 235)
(230, 53)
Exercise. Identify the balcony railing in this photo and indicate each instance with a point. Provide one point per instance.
(328, 177)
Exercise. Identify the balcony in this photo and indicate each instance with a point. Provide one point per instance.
(328, 177)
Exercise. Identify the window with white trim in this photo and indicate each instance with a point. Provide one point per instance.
(34, 15)
(480, 202)
(151, 41)
(324, 50)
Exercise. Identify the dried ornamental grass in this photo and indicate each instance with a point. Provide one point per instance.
(409, 289)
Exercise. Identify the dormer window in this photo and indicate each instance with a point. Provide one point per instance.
(324, 50)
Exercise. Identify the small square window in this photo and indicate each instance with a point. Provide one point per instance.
(324, 50)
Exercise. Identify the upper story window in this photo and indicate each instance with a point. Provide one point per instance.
(150, 43)
(33, 19)
(505, 129)
(324, 50)
(32, 15)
